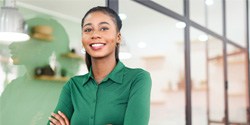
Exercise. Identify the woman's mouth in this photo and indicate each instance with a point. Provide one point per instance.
(97, 46)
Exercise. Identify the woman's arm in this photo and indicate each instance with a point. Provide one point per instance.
(138, 109)
(59, 119)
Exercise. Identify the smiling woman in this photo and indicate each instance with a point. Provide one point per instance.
(110, 93)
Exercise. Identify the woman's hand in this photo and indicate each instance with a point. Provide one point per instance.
(58, 119)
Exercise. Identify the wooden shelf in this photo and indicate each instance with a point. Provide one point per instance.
(52, 78)
(72, 56)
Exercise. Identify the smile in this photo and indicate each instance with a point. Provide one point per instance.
(97, 46)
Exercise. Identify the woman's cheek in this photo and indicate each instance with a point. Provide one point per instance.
(84, 45)
(84, 42)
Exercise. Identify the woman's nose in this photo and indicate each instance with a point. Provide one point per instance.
(95, 35)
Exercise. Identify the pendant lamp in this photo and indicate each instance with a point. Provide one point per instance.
(12, 24)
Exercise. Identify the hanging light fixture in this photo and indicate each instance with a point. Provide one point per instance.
(12, 24)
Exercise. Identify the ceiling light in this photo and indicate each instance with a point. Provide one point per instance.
(203, 38)
(209, 2)
(122, 16)
(12, 25)
(142, 45)
(180, 25)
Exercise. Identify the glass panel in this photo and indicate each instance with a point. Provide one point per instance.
(197, 11)
(33, 72)
(215, 81)
(199, 78)
(174, 5)
(157, 46)
(237, 85)
(207, 13)
(236, 21)
(214, 16)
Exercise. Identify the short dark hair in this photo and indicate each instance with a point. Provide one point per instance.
(117, 20)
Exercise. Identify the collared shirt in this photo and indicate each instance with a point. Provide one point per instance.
(122, 98)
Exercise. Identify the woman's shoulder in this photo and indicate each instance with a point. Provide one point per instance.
(78, 79)
(137, 77)
(136, 71)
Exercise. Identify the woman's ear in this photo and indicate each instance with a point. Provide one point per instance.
(119, 38)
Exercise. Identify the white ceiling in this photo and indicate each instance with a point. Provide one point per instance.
(73, 10)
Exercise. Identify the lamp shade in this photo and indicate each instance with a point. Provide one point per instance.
(12, 25)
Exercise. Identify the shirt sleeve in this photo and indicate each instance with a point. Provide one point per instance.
(65, 102)
(138, 109)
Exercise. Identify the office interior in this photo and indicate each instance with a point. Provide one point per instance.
(197, 52)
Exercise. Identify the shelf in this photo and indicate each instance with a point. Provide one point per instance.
(52, 78)
(72, 56)
(43, 33)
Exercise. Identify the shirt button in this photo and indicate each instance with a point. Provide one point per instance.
(92, 117)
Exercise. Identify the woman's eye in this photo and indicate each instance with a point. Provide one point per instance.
(87, 30)
(104, 29)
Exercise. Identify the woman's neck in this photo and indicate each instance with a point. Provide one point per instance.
(102, 67)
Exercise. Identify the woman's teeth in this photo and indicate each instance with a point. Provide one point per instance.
(97, 45)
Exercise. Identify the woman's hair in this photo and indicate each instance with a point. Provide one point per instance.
(115, 17)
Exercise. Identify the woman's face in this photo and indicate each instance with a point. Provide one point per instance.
(99, 35)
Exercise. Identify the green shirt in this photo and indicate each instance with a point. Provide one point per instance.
(122, 98)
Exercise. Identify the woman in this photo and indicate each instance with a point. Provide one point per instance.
(111, 93)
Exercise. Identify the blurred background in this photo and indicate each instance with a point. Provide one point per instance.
(197, 52)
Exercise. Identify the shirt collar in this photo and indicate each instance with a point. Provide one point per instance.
(116, 74)
(87, 77)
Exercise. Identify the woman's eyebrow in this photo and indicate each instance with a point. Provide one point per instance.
(88, 24)
(103, 23)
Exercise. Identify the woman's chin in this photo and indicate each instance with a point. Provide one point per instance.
(97, 55)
